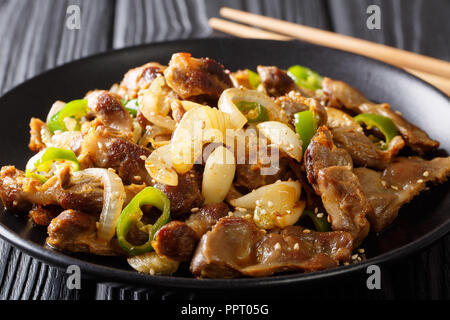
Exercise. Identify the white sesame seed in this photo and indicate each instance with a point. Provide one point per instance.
(419, 181)
(355, 256)
(230, 213)
(152, 271)
(320, 215)
(359, 259)
(143, 157)
(195, 209)
(306, 231)
(316, 210)
(346, 263)
(383, 183)
(296, 246)
(426, 174)
(394, 187)
(242, 209)
(277, 246)
(361, 250)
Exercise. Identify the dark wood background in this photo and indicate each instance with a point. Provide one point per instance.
(34, 38)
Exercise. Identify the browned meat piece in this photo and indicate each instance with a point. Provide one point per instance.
(190, 77)
(397, 185)
(276, 81)
(240, 79)
(236, 247)
(139, 78)
(176, 241)
(43, 216)
(294, 102)
(341, 94)
(110, 111)
(329, 170)
(106, 148)
(208, 215)
(36, 144)
(363, 151)
(39, 131)
(75, 231)
(19, 192)
(185, 195)
(322, 153)
(78, 192)
(250, 175)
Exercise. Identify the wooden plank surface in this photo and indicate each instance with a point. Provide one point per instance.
(34, 39)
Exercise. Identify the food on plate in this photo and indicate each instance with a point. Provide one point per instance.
(232, 174)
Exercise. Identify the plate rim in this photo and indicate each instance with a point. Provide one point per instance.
(61, 260)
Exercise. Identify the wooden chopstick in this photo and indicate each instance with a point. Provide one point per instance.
(243, 31)
(377, 51)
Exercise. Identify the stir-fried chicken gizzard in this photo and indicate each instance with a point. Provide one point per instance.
(245, 173)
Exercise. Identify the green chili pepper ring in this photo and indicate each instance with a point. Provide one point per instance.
(305, 126)
(384, 124)
(321, 224)
(42, 162)
(75, 109)
(132, 107)
(247, 107)
(132, 215)
(305, 77)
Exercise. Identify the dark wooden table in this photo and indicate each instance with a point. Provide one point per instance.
(34, 38)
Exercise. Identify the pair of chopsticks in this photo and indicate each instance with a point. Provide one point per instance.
(432, 70)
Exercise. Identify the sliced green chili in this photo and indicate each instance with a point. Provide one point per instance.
(384, 124)
(253, 111)
(321, 224)
(305, 77)
(74, 109)
(40, 164)
(132, 215)
(253, 78)
(131, 106)
(305, 126)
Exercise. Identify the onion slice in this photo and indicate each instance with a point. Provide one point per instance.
(283, 137)
(218, 175)
(159, 166)
(229, 98)
(198, 126)
(249, 201)
(113, 197)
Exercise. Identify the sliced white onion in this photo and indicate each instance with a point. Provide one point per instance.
(226, 104)
(291, 217)
(154, 104)
(218, 175)
(283, 137)
(229, 98)
(198, 126)
(278, 206)
(159, 166)
(249, 201)
(113, 197)
(56, 107)
(152, 263)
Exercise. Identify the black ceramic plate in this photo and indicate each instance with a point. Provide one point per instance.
(423, 221)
